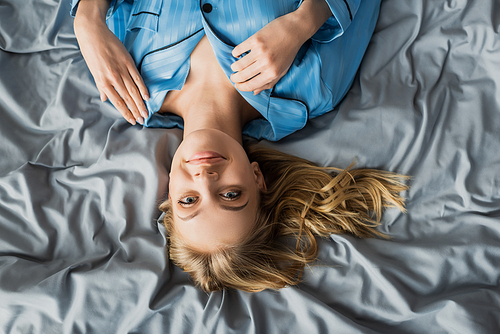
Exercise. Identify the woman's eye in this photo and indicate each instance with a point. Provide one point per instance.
(231, 195)
(188, 200)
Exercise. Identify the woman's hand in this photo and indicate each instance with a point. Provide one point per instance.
(271, 53)
(273, 48)
(112, 67)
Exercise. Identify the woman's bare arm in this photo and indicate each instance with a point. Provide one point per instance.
(274, 47)
(112, 67)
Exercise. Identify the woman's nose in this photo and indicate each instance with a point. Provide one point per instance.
(203, 173)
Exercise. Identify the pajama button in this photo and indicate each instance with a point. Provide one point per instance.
(207, 8)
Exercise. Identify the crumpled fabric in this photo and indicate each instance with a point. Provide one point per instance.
(81, 250)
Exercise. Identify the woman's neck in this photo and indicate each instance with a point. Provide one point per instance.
(209, 110)
(208, 99)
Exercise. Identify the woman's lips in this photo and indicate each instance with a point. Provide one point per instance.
(206, 157)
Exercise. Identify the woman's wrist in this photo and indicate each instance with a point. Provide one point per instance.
(310, 16)
(91, 12)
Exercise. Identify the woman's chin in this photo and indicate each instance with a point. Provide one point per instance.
(204, 133)
(208, 140)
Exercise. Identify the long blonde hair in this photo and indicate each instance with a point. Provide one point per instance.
(302, 201)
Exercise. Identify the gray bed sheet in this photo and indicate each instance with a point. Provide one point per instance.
(80, 247)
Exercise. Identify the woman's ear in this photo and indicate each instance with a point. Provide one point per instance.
(259, 177)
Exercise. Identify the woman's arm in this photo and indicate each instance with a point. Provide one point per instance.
(274, 47)
(112, 67)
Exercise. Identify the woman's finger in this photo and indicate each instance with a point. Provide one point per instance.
(267, 86)
(119, 104)
(122, 89)
(136, 96)
(242, 47)
(243, 62)
(247, 73)
(102, 95)
(136, 77)
(255, 83)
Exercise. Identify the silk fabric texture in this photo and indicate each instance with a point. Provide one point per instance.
(161, 34)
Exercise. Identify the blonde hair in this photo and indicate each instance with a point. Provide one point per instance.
(302, 201)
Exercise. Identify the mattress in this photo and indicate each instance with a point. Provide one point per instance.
(81, 249)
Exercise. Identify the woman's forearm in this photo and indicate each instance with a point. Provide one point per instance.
(111, 65)
(310, 16)
(91, 12)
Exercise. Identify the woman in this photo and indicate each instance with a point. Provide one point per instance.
(224, 68)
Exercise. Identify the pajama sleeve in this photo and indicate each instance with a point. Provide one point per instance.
(323, 72)
(343, 12)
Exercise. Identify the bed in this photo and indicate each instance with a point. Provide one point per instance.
(81, 249)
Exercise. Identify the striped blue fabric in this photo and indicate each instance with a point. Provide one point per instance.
(161, 34)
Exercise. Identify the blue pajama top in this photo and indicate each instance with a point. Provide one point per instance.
(161, 34)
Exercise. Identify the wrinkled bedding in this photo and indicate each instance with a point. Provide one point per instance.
(81, 250)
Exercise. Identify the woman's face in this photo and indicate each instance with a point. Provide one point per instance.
(214, 190)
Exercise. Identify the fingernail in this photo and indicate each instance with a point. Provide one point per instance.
(140, 120)
(146, 97)
(131, 121)
(144, 113)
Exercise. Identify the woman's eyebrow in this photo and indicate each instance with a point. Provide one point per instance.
(224, 207)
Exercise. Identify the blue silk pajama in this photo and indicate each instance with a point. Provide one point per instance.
(161, 34)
